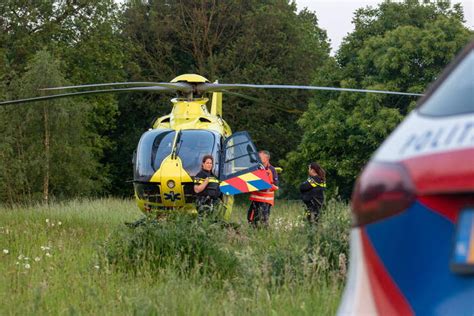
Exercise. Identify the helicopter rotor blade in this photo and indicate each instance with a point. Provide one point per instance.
(81, 93)
(247, 97)
(217, 87)
(178, 86)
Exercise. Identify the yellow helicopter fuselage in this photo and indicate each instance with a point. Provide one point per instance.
(170, 187)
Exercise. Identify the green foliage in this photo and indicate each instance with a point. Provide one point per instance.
(396, 46)
(179, 243)
(83, 35)
(232, 41)
(278, 270)
(46, 148)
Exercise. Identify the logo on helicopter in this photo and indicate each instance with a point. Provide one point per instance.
(173, 196)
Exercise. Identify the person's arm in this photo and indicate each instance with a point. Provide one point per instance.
(275, 178)
(200, 185)
(276, 181)
(305, 186)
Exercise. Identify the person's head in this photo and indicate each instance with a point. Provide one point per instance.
(314, 169)
(207, 162)
(264, 157)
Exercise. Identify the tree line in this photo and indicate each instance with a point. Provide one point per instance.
(83, 146)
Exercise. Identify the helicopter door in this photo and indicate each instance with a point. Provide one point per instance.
(241, 170)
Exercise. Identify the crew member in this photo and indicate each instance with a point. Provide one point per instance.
(312, 191)
(262, 201)
(206, 186)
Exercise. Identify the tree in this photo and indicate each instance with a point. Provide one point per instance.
(83, 34)
(233, 41)
(45, 149)
(396, 46)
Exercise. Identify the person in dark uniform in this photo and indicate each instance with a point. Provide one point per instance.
(206, 186)
(312, 191)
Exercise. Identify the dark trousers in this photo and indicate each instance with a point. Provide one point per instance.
(313, 208)
(259, 213)
(208, 206)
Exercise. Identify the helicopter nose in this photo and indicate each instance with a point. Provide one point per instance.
(171, 175)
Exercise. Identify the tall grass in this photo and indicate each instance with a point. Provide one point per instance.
(79, 258)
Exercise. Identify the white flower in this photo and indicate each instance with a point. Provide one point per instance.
(97, 267)
(20, 257)
(48, 254)
(5, 251)
(44, 248)
(27, 266)
(37, 259)
(47, 220)
(17, 263)
(26, 258)
(52, 224)
(59, 223)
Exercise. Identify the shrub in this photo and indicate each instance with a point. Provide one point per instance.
(177, 243)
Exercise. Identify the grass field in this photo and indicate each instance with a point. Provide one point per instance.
(79, 258)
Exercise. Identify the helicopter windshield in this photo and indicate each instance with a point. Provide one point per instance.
(156, 145)
(195, 144)
(153, 148)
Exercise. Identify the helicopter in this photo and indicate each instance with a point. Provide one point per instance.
(169, 154)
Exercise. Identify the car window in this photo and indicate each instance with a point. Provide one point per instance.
(455, 95)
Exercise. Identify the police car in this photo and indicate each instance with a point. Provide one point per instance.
(412, 244)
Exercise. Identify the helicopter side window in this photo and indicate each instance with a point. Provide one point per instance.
(194, 145)
(241, 156)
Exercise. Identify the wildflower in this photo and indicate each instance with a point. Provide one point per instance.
(37, 259)
(26, 258)
(27, 266)
(47, 221)
(20, 257)
(342, 264)
(5, 251)
(59, 223)
(52, 224)
(97, 267)
(17, 263)
(48, 254)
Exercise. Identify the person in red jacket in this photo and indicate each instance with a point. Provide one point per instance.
(262, 201)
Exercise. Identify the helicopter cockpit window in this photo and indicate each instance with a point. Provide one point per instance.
(153, 148)
(195, 144)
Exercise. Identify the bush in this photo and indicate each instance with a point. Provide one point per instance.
(177, 243)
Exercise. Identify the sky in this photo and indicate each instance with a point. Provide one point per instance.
(335, 16)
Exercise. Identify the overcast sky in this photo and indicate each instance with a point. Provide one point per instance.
(335, 16)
